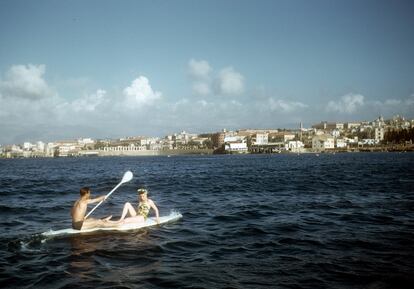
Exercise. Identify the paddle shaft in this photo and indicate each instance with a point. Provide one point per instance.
(107, 196)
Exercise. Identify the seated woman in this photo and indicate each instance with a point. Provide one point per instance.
(143, 209)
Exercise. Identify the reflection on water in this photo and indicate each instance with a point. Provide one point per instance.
(119, 256)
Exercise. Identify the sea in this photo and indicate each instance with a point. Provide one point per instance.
(343, 220)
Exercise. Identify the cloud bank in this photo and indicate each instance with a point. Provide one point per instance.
(32, 109)
(25, 81)
(285, 106)
(348, 104)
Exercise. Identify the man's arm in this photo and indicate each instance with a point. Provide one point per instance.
(96, 200)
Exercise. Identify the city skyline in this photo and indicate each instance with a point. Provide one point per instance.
(315, 127)
(105, 69)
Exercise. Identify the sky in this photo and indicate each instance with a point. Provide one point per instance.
(111, 69)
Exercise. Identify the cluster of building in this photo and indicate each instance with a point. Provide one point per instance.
(334, 136)
(129, 146)
(320, 137)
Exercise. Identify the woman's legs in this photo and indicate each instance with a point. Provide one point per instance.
(136, 219)
(128, 208)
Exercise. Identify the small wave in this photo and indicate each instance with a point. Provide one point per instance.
(180, 245)
(228, 218)
(14, 209)
(31, 243)
(252, 231)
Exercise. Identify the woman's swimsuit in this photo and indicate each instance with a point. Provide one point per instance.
(143, 209)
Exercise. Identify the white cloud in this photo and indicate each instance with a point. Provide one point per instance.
(285, 106)
(236, 103)
(349, 103)
(230, 82)
(410, 101)
(203, 103)
(89, 102)
(25, 82)
(140, 93)
(201, 88)
(392, 102)
(179, 104)
(199, 69)
(205, 82)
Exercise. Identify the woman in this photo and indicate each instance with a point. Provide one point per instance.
(143, 209)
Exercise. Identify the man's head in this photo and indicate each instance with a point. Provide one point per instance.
(84, 191)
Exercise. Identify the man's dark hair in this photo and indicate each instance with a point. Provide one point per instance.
(84, 191)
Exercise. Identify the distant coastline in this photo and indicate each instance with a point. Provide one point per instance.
(188, 152)
(379, 135)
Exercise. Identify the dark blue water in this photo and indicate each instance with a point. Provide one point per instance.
(253, 221)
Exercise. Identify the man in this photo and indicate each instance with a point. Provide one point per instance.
(79, 210)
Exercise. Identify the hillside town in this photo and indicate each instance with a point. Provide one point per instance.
(395, 134)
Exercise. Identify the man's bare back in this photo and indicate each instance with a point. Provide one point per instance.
(78, 212)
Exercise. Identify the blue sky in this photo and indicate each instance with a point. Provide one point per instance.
(72, 69)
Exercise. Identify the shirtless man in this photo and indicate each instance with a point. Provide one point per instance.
(79, 210)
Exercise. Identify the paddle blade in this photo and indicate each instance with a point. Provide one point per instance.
(127, 177)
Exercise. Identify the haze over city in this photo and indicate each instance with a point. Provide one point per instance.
(107, 69)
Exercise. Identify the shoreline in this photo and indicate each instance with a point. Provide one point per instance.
(182, 152)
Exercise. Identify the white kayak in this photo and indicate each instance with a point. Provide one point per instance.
(151, 221)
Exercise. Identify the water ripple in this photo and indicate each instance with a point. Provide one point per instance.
(255, 221)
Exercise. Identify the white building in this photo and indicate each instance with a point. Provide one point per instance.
(167, 143)
(27, 146)
(367, 141)
(261, 139)
(319, 132)
(149, 141)
(379, 134)
(183, 137)
(16, 149)
(85, 141)
(323, 142)
(351, 125)
(336, 133)
(236, 147)
(40, 146)
(341, 143)
(295, 146)
(234, 138)
(66, 148)
(50, 149)
(155, 146)
(288, 137)
(120, 148)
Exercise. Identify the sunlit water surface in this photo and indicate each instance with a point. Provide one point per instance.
(252, 221)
